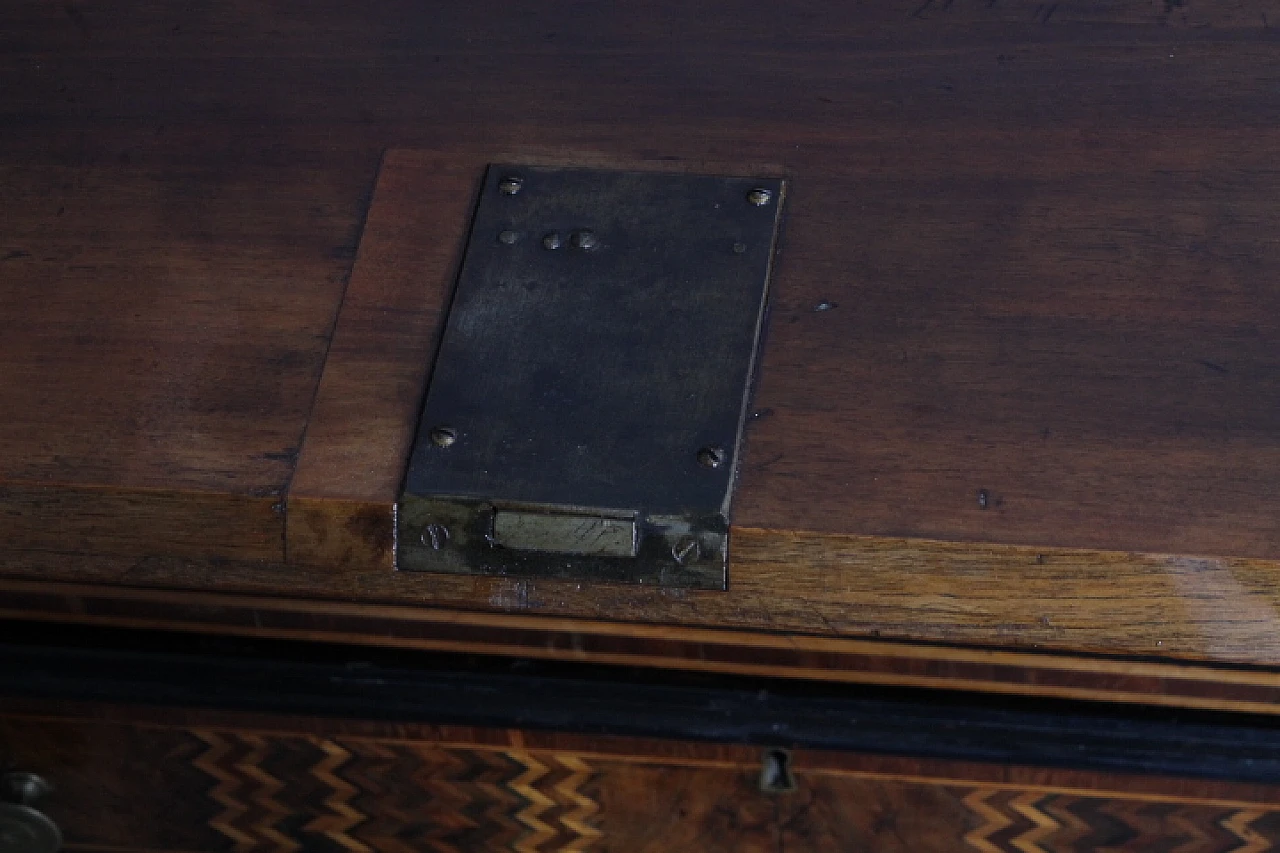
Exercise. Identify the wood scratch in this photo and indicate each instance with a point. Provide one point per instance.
(919, 13)
(1045, 11)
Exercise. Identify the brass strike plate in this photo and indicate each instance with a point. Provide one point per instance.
(585, 412)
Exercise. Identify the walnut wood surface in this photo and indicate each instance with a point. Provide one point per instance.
(163, 332)
(1117, 602)
(777, 654)
(341, 501)
(138, 780)
(1045, 229)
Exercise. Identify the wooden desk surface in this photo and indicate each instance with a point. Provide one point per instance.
(1038, 429)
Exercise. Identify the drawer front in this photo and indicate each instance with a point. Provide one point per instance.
(139, 779)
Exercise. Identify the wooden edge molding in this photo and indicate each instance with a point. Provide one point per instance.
(776, 655)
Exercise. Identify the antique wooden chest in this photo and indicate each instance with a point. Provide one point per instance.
(873, 387)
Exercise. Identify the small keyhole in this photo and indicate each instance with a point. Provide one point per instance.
(775, 772)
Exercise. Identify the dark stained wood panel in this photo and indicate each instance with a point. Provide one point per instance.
(1090, 353)
(1013, 295)
(165, 328)
(1045, 230)
(341, 505)
(163, 331)
(136, 523)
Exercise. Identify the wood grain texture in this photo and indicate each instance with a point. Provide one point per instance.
(1045, 228)
(772, 654)
(1219, 611)
(135, 522)
(163, 331)
(1068, 599)
(265, 783)
(341, 500)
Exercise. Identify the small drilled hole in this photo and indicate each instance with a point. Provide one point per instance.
(443, 436)
(711, 456)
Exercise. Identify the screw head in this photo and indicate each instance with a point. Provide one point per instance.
(759, 196)
(552, 241)
(583, 239)
(443, 436)
(686, 551)
(511, 184)
(435, 536)
(711, 456)
(508, 237)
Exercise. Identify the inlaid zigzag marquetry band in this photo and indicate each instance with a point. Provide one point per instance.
(318, 794)
(302, 793)
(1038, 822)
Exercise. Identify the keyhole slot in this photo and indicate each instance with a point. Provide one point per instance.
(775, 772)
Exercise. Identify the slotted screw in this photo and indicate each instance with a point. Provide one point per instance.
(686, 551)
(435, 536)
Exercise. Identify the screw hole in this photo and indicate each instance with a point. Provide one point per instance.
(443, 436)
(711, 457)
(584, 239)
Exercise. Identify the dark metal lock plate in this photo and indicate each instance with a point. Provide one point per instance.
(586, 407)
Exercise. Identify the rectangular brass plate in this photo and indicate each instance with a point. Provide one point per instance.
(553, 533)
(586, 407)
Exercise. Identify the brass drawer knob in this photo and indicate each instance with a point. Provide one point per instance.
(25, 830)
